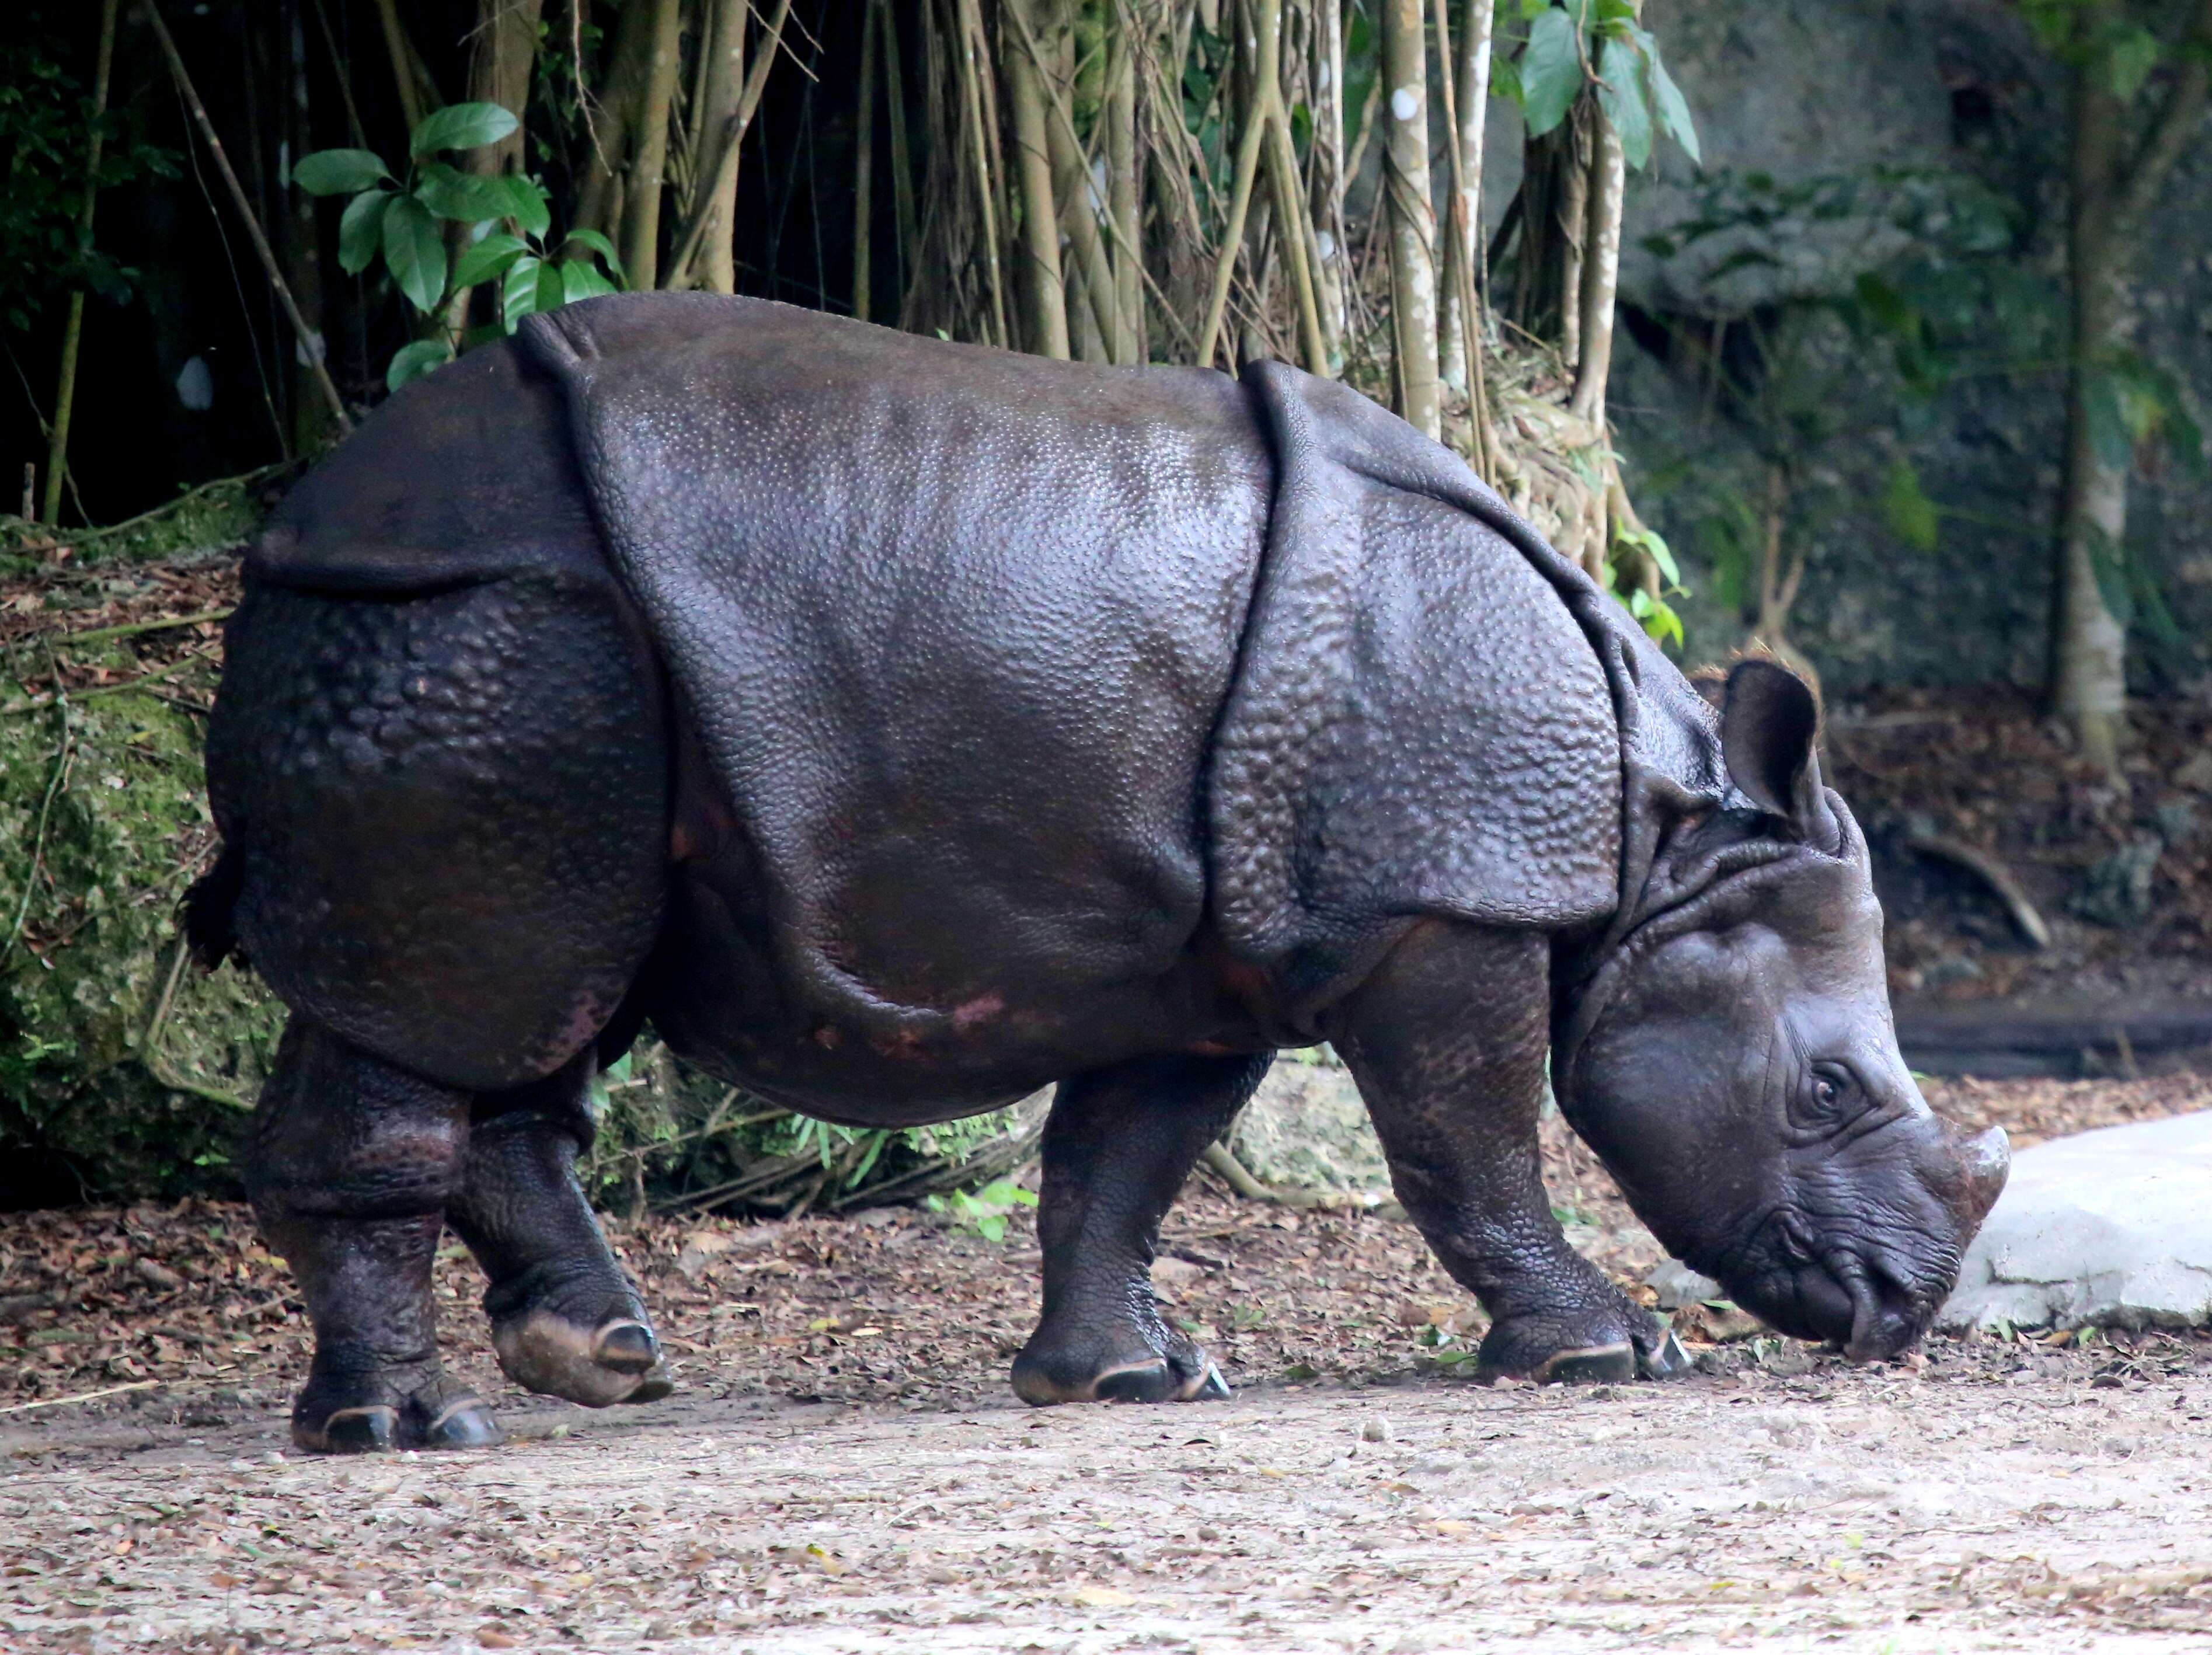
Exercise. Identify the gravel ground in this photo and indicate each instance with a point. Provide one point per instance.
(844, 1468)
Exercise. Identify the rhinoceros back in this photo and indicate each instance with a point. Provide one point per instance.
(952, 628)
(1435, 713)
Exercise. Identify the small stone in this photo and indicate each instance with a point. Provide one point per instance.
(1377, 1429)
(1679, 1286)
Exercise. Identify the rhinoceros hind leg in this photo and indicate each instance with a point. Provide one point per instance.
(565, 1319)
(350, 1161)
(1447, 1040)
(1118, 1145)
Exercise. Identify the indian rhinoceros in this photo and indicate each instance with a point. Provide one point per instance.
(899, 726)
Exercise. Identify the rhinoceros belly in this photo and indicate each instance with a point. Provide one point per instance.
(950, 632)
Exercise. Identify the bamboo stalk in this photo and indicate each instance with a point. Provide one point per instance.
(1044, 319)
(909, 236)
(1248, 144)
(1325, 171)
(245, 211)
(402, 64)
(73, 329)
(981, 120)
(1411, 215)
(864, 160)
(1601, 272)
(720, 195)
(720, 95)
(1464, 312)
(640, 238)
(1127, 341)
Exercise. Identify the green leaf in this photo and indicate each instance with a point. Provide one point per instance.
(338, 172)
(552, 293)
(2108, 421)
(1674, 108)
(412, 361)
(2134, 53)
(462, 126)
(487, 259)
(360, 230)
(1911, 515)
(605, 249)
(1552, 73)
(524, 203)
(1621, 95)
(518, 293)
(462, 196)
(581, 279)
(415, 251)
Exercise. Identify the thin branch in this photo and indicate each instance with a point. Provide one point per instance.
(305, 334)
(2176, 127)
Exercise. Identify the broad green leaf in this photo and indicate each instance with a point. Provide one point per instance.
(518, 293)
(412, 361)
(551, 293)
(581, 279)
(2135, 54)
(2108, 421)
(1655, 543)
(605, 249)
(1552, 73)
(487, 259)
(338, 172)
(1673, 107)
(1911, 515)
(525, 203)
(415, 251)
(462, 126)
(1621, 94)
(462, 196)
(360, 230)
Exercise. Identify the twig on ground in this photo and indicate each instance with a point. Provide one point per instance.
(1991, 872)
(81, 1396)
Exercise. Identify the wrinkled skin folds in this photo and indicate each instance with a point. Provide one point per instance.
(898, 727)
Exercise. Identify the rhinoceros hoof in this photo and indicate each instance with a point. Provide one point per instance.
(616, 1362)
(439, 1415)
(1044, 1376)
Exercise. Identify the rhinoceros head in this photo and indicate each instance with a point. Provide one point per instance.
(1734, 1064)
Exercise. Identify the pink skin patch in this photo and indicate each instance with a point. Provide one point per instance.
(980, 1009)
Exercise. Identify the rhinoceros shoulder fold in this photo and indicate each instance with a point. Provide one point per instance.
(1435, 713)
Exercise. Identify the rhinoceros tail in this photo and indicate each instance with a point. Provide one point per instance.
(208, 906)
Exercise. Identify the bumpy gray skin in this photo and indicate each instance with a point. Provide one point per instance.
(900, 726)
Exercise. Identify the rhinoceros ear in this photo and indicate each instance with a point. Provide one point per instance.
(1769, 722)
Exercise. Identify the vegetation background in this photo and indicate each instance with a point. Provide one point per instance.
(1873, 334)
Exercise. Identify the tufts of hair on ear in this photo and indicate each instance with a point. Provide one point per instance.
(1770, 731)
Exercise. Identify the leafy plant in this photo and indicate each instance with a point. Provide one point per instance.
(1580, 42)
(399, 223)
(986, 1210)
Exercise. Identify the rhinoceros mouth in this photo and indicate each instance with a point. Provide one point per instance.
(1855, 1299)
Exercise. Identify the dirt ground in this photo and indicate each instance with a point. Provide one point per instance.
(844, 1468)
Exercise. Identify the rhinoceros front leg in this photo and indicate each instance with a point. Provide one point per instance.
(1447, 1040)
(1117, 1146)
(565, 1319)
(349, 1162)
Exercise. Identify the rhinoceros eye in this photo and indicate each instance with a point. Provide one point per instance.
(1830, 1099)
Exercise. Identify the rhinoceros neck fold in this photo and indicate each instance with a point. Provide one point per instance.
(1435, 713)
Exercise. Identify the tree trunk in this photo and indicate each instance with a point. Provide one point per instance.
(2110, 195)
(502, 52)
(1043, 287)
(641, 237)
(1325, 173)
(1601, 271)
(1411, 215)
(725, 47)
(1463, 245)
(1128, 343)
(629, 64)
